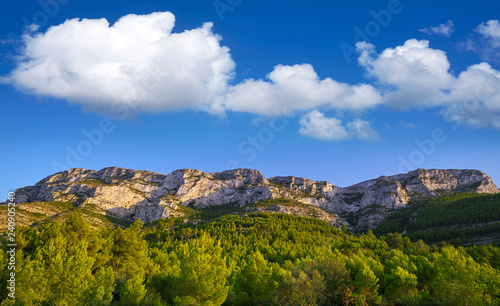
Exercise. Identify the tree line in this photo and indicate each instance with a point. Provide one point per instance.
(260, 259)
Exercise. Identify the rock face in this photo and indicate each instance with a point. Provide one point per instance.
(130, 194)
(371, 201)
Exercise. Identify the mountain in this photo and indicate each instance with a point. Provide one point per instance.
(122, 195)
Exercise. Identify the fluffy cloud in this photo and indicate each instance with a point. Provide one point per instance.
(291, 88)
(415, 75)
(137, 60)
(441, 30)
(141, 62)
(474, 97)
(316, 125)
(490, 30)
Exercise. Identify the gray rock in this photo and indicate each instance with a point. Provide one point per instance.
(130, 194)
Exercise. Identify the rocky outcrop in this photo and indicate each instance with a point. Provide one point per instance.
(371, 201)
(130, 194)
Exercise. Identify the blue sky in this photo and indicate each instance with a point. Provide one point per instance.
(278, 86)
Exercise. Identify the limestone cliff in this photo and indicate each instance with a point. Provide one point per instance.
(129, 194)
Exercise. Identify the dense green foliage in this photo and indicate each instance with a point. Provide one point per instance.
(264, 259)
(459, 217)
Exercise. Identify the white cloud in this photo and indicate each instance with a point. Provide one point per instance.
(316, 125)
(490, 30)
(486, 42)
(441, 30)
(474, 98)
(415, 75)
(361, 129)
(298, 87)
(138, 60)
(32, 28)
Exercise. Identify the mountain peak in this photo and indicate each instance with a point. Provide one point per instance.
(248, 176)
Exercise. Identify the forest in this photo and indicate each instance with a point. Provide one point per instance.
(458, 218)
(259, 259)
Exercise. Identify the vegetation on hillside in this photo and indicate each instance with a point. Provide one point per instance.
(458, 217)
(261, 259)
(35, 214)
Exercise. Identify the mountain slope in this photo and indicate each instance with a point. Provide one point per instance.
(460, 218)
(261, 259)
(127, 195)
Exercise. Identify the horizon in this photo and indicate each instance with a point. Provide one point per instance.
(267, 177)
(337, 92)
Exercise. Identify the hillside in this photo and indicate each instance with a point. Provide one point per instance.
(461, 218)
(261, 259)
(238, 238)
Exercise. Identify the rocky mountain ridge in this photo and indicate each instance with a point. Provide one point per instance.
(129, 194)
